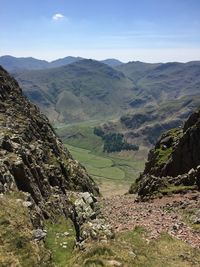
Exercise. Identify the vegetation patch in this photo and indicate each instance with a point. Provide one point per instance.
(113, 173)
(133, 249)
(60, 241)
(17, 247)
(163, 155)
(172, 189)
(80, 135)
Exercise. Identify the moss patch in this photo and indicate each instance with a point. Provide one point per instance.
(163, 155)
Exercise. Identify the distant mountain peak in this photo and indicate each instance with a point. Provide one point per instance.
(112, 62)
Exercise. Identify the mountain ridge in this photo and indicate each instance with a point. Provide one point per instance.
(15, 64)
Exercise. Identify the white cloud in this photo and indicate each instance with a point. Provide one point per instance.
(57, 17)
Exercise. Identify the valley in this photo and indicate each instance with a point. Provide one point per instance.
(113, 172)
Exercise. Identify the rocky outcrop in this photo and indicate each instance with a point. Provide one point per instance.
(33, 159)
(89, 222)
(175, 160)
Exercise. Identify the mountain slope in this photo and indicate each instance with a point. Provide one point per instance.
(136, 70)
(163, 82)
(166, 95)
(13, 64)
(36, 158)
(63, 61)
(146, 124)
(83, 90)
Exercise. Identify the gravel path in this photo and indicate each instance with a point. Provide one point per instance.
(157, 216)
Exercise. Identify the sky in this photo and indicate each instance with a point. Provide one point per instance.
(129, 30)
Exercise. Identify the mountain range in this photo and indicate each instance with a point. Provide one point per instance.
(140, 100)
(13, 64)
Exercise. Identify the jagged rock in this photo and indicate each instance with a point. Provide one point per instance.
(175, 160)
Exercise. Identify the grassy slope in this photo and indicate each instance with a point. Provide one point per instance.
(17, 247)
(127, 249)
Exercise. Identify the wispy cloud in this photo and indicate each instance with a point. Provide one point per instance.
(58, 16)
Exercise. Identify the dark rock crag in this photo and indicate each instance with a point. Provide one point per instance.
(174, 163)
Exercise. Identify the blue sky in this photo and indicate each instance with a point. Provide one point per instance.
(146, 30)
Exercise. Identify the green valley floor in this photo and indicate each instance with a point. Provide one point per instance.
(113, 173)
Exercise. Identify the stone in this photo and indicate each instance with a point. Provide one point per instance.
(114, 263)
(87, 198)
(66, 234)
(39, 234)
(195, 219)
(88, 219)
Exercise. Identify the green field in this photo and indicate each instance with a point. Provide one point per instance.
(113, 174)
